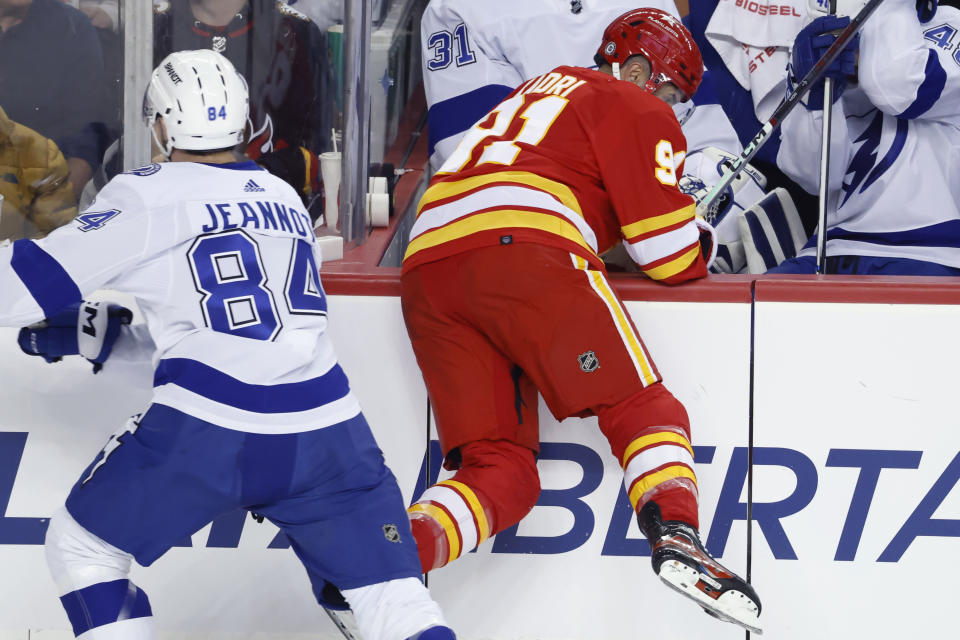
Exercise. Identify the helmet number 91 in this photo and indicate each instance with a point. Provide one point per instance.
(213, 114)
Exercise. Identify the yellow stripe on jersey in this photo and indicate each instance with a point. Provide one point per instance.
(651, 480)
(475, 507)
(675, 266)
(438, 514)
(497, 219)
(658, 222)
(630, 339)
(447, 189)
(655, 438)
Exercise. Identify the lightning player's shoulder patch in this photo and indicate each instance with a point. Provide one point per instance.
(287, 10)
(145, 171)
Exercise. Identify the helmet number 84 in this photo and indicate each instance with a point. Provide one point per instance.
(213, 114)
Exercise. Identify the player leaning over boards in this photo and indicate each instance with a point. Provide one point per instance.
(504, 294)
(250, 408)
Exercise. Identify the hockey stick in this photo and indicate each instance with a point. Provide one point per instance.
(733, 170)
(825, 166)
(337, 617)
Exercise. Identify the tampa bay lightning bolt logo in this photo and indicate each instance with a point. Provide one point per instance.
(865, 168)
(143, 172)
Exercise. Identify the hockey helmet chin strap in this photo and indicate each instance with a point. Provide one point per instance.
(661, 78)
(166, 149)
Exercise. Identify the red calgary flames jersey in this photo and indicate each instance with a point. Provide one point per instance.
(575, 159)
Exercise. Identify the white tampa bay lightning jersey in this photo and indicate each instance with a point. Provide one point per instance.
(895, 146)
(223, 263)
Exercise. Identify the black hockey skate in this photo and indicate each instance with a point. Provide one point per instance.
(683, 564)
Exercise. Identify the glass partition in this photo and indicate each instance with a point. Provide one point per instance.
(73, 73)
(60, 107)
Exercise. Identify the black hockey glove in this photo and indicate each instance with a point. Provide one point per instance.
(708, 241)
(300, 168)
(88, 329)
(297, 166)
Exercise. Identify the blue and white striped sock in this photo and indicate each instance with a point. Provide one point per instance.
(106, 603)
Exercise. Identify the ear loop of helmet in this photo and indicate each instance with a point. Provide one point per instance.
(616, 70)
(166, 149)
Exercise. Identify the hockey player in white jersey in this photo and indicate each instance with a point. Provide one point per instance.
(250, 408)
(894, 196)
(475, 53)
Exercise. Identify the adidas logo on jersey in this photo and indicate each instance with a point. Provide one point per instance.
(252, 186)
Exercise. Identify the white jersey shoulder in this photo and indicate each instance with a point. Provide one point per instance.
(530, 37)
(912, 69)
(223, 264)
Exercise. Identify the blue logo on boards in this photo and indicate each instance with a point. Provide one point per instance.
(620, 534)
(143, 172)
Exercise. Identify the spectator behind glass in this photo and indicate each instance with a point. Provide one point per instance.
(52, 81)
(326, 13)
(282, 55)
(37, 197)
(104, 14)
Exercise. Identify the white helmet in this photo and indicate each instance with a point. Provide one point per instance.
(202, 99)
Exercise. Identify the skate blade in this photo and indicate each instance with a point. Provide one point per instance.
(345, 622)
(733, 606)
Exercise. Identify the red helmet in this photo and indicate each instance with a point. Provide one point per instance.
(662, 40)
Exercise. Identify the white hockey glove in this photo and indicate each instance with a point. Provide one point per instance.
(771, 230)
(88, 329)
(702, 170)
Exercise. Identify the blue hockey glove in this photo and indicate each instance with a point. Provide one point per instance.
(89, 329)
(810, 45)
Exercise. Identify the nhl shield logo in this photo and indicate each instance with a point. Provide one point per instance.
(391, 533)
(588, 362)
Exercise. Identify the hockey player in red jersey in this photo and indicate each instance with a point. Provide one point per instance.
(505, 294)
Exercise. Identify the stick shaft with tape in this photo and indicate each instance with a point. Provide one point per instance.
(824, 192)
